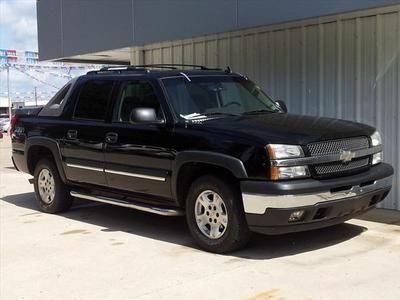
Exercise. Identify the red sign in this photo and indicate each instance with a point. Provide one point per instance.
(11, 53)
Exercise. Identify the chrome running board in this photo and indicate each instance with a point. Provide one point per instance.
(139, 206)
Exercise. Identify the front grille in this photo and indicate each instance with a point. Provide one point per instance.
(338, 167)
(334, 147)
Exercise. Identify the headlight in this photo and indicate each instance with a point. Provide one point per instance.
(376, 139)
(278, 173)
(278, 151)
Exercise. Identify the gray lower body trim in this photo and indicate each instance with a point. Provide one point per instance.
(258, 204)
(139, 206)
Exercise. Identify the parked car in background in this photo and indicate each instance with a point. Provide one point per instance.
(5, 125)
(28, 110)
(3, 117)
(204, 143)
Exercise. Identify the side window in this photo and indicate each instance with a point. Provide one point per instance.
(55, 105)
(135, 94)
(59, 98)
(92, 100)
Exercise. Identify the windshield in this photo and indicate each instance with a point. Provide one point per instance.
(198, 97)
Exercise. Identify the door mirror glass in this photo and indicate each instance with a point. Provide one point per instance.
(282, 105)
(144, 115)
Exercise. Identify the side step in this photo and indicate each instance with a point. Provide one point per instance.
(139, 206)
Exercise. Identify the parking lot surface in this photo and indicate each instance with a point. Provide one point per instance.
(98, 251)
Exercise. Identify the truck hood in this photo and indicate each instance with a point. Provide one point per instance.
(288, 128)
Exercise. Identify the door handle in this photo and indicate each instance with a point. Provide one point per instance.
(111, 137)
(72, 134)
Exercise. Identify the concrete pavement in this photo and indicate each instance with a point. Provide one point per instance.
(103, 252)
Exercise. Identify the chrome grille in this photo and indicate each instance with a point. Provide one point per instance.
(338, 167)
(334, 147)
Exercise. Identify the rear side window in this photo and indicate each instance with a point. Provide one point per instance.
(92, 100)
(56, 104)
(60, 96)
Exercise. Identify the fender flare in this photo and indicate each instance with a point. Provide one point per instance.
(54, 148)
(230, 163)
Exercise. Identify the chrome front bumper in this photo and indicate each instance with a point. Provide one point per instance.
(259, 203)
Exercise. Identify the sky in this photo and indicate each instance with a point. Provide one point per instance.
(18, 31)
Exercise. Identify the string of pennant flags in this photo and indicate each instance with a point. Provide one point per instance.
(27, 93)
(52, 66)
(37, 79)
(68, 76)
(59, 70)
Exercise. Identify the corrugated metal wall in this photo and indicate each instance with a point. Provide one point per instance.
(343, 66)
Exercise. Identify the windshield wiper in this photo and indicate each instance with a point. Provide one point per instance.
(204, 116)
(259, 111)
(219, 113)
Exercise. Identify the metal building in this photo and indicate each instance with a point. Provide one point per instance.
(337, 59)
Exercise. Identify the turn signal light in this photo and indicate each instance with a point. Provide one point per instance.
(278, 173)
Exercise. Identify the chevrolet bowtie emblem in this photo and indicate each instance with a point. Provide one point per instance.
(346, 155)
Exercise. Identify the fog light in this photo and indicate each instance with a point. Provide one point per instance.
(377, 158)
(296, 216)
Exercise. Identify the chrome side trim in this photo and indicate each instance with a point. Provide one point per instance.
(143, 207)
(84, 167)
(135, 175)
(288, 162)
(257, 204)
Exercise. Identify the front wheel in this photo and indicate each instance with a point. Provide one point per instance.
(215, 216)
(51, 193)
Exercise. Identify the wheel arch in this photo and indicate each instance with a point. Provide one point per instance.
(38, 147)
(190, 165)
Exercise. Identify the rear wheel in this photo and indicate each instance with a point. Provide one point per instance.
(215, 216)
(51, 193)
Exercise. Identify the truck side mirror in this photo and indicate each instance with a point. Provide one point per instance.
(144, 115)
(282, 105)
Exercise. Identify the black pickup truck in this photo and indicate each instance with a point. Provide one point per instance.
(205, 143)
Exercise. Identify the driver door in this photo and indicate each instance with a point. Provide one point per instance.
(138, 157)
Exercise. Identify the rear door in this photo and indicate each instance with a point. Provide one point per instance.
(138, 156)
(83, 145)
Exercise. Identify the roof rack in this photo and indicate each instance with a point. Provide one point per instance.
(145, 68)
(175, 66)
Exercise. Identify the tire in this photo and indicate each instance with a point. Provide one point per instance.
(219, 238)
(52, 194)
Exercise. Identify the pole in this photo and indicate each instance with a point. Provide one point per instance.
(35, 96)
(8, 92)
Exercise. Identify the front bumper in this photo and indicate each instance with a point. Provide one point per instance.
(269, 205)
